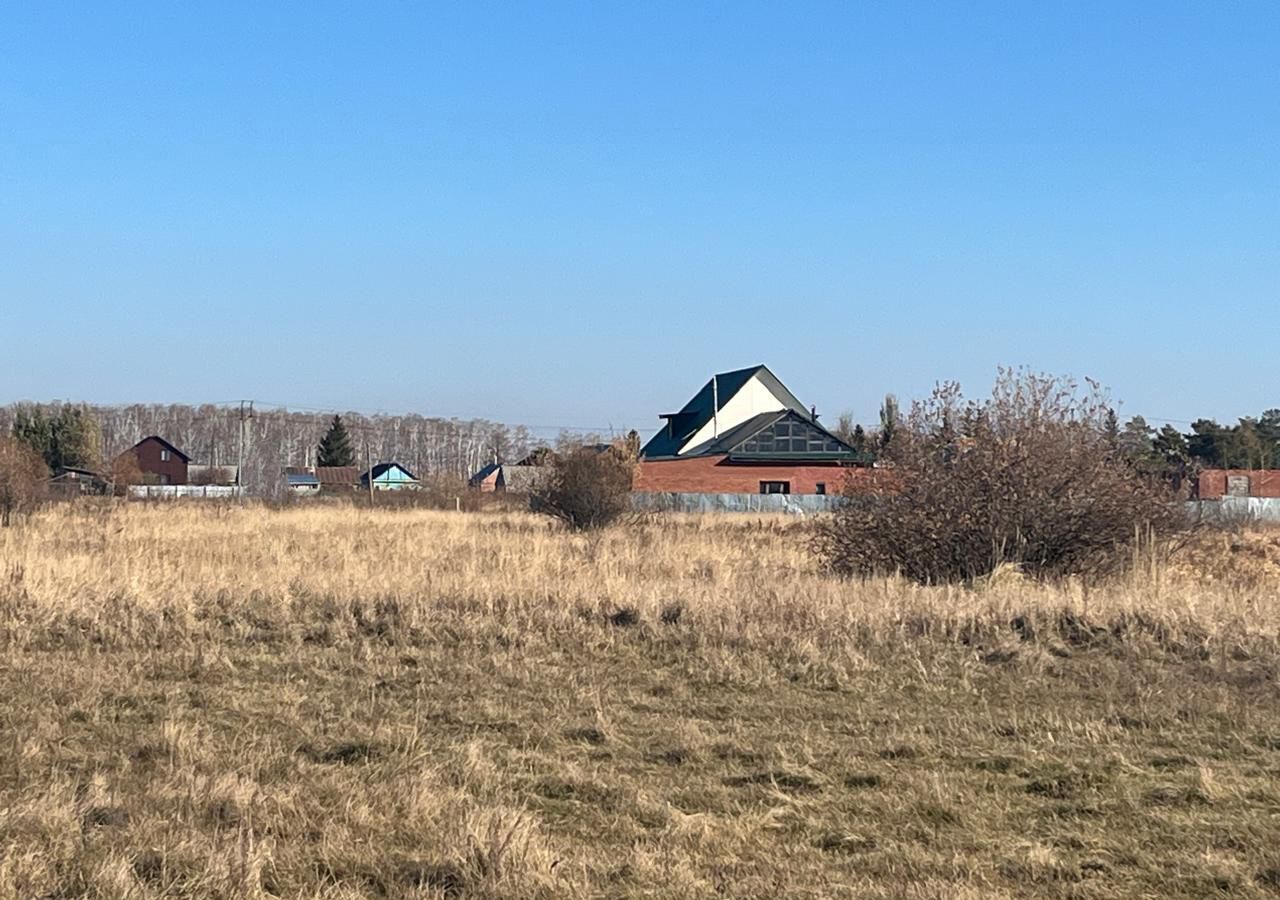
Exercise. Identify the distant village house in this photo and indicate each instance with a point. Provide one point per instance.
(159, 462)
(519, 477)
(313, 480)
(389, 477)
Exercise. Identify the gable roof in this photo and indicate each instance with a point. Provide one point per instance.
(75, 470)
(700, 410)
(484, 473)
(339, 476)
(72, 473)
(172, 449)
(757, 439)
(383, 468)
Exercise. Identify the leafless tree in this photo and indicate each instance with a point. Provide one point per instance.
(587, 488)
(23, 480)
(1024, 477)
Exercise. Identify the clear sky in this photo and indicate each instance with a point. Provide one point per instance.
(573, 214)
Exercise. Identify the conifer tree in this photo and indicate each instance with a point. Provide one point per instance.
(63, 435)
(889, 418)
(335, 446)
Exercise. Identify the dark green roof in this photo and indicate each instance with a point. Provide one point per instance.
(781, 435)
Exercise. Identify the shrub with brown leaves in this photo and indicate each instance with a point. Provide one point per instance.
(23, 479)
(589, 487)
(1024, 478)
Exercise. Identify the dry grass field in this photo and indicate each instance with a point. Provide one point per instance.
(341, 703)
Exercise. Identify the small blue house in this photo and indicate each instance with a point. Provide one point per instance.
(389, 477)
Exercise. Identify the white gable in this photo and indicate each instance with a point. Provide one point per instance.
(751, 399)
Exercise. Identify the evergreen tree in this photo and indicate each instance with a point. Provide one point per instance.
(335, 447)
(858, 439)
(888, 420)
(1171, 446)
(1269, 432)
(34, 429)
(77, 438)
(62, 436)
(1204, 444)
(1111, 429)
(1135, 441)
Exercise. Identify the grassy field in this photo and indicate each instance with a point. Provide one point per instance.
(342, 703)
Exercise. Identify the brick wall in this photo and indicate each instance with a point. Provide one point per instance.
(1212, 484)
(717, 475)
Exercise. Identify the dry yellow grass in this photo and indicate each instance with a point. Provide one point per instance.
(336, 702)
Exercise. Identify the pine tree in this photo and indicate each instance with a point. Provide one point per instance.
(1205, 442)
(34, 429)
(1111, 429)
(335, 446)
(63, 436)
(1135, 441)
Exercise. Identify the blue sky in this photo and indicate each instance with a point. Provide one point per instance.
(571, 214)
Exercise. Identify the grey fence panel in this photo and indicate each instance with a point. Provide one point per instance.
(1235, 510)
(176, 491)
(793, 504)
(1227, 511)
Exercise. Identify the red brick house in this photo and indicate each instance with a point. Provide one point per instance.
(159, 461)
(744, 432)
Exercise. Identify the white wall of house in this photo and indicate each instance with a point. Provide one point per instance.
(754, 398)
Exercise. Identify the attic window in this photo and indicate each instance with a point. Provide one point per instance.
(790, 438)
(164, 456)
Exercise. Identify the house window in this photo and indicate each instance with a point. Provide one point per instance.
(775, 487)
(164, 456)
(822, 487)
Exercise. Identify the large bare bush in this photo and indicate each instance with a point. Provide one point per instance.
(589, 487)
(1025, 477)
(23, 479)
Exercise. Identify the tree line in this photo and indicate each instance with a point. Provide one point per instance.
(1166, 452)
(91, 437)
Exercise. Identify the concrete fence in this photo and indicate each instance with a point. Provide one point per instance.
(1235, 510)
(1224, 512)
(176, 491)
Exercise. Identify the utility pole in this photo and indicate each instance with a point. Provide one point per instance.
(369, 467)
(246, 413)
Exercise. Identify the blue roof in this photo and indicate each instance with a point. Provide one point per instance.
(302, 479)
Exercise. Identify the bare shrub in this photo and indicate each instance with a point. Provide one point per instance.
(1023, 478)
(588, 487)
(23, 480)
(124, 472)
